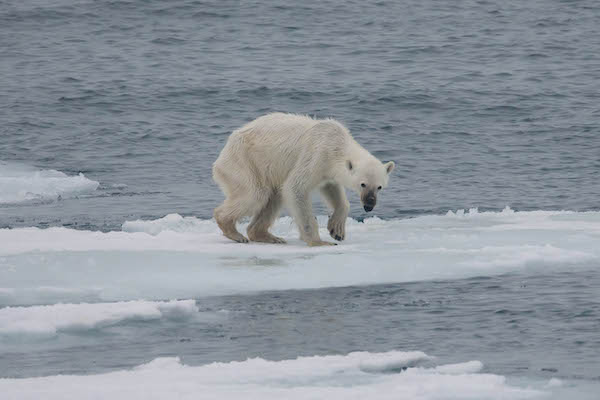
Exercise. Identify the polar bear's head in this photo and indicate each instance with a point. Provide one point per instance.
(367, 178)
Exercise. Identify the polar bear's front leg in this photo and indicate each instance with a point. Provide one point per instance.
(335, 196)
(296, 197)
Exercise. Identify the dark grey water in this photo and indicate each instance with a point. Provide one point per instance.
(480, 103)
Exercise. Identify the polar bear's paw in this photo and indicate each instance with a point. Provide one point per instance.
(337, 228)
(236, 237)
(265, 237)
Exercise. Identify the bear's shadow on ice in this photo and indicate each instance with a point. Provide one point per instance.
(252, 261)
(229, 261)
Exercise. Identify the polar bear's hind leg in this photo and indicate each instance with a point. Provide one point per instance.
(227, 215)
(237, 204)
(258, 230)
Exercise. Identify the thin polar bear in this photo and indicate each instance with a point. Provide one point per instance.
(278, 160)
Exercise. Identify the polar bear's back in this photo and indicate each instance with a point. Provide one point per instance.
(291, 132)
(274, 127)
(269, 147)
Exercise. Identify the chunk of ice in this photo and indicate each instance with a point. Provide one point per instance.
(20, 183)
(177, 257)
(318, 377)
(48, 320)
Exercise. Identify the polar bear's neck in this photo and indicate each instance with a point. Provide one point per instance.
(358, 156)
(356, 152)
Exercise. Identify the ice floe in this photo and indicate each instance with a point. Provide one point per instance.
(186, 257)
(397, 375)
(48, 320)
(20, 183)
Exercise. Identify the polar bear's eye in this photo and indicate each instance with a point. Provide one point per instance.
(362, 185)
(378, 187)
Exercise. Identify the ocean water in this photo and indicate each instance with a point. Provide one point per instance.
(476, 276)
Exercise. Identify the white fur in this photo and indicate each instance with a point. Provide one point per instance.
(278, 159)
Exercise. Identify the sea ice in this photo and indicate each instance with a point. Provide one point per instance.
(318, 377)
(47, 320)
(177, 257)
(20, 183)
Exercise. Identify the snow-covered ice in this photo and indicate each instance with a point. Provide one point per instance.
(48, 320)
(20, 183)
(398, 376)
(185, 257)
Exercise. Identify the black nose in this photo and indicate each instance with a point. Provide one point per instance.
(368, 208)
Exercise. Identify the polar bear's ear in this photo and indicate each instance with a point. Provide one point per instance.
(389, 166)
(349, 165)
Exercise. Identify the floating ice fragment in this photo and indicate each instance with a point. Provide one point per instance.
(48, 320)
(318, 377)
(19, 183)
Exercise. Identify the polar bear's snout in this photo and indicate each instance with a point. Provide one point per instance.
(369, 199)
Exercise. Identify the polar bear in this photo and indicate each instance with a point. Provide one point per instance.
(278, 160)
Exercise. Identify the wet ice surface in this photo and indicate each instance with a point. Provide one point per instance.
(176, 257)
